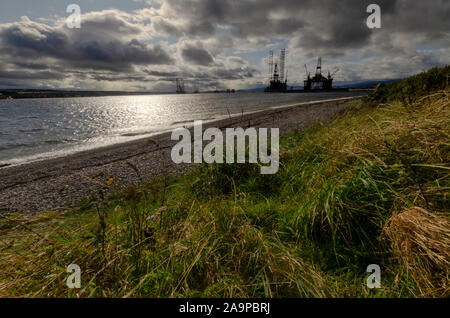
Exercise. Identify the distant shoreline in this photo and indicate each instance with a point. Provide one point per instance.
(53, 184)
(41, 94)
(33, 94)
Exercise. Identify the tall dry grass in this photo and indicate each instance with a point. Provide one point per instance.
(421, 241)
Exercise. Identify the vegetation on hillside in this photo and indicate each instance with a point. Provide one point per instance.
(412, 88)
(371, 187)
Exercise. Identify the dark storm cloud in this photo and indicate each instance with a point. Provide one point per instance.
(161, 74)
(25, 75)
(219, 74)
(115, 78)
(196, 55)
(245, 17)
(204, 28)
(31, 66)
(313, 24)
(79, 47)
(235, 73)
(9, 84)
(105, 23)
(420, 17)
(165, 27)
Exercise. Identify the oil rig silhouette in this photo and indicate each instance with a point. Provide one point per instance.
(181, 89)
(277, 82)
(318, 81)
(180, 86)
(278, 77)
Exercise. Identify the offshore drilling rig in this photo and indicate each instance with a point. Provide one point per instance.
(278, 77)
(318, 81)
(277, 81)
(180, 86)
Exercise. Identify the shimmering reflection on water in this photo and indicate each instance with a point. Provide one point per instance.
(42, 128)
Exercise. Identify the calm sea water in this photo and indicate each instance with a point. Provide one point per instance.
(44, 128)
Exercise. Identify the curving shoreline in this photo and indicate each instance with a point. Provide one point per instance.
(55, 184)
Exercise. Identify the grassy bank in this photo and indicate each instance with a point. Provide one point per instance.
(371, 187)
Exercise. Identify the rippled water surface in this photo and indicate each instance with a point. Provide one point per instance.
(43, 128)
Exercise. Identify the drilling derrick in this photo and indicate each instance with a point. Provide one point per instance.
(196, 91)
(319, 67)
(318, 81)
(277, 82)
(276, 77)
(180, 86)
(271, 66)
(282, 64)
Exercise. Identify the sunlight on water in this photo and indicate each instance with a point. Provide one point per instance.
(41, 128)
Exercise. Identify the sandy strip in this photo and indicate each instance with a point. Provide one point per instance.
(55, 184)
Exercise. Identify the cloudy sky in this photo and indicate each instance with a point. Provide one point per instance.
(146, 44)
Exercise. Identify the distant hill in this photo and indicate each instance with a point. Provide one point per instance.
(365, 84)
(362, 84)
(37, 93)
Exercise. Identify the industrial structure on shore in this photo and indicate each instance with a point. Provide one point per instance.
(318, 82)
(277, 82)
(180, 86)
(278, 77)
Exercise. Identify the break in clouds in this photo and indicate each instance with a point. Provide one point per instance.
(218, 44)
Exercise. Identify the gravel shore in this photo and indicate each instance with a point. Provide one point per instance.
(58, 184)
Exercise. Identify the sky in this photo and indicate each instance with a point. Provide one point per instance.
(144, 45)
